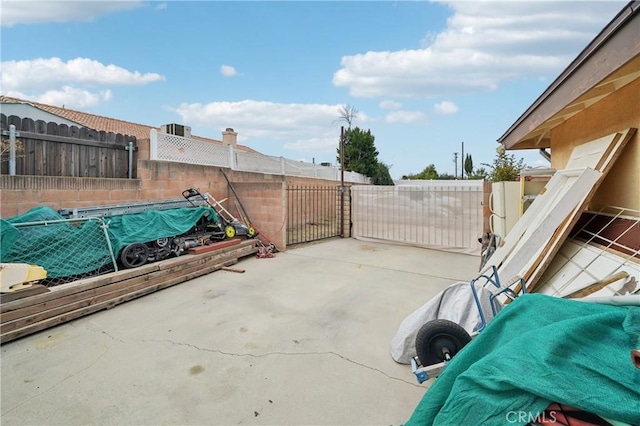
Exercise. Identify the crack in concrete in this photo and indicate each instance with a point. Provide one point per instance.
(86, 327)
(218, 351)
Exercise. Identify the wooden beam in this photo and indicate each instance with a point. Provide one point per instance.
(598, 285)
(108, 291)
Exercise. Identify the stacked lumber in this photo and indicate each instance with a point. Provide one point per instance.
(63, 303)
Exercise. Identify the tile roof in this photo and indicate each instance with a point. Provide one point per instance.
(100, 123)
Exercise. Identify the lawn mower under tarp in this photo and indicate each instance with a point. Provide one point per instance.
(231, 226)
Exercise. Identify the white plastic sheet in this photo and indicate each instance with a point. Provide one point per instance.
(455, 303)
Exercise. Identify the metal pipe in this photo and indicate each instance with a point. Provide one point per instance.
(545, 154)
(12, 150)
(130, 148)
(342, 181)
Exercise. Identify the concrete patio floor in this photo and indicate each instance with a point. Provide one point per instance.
(299, 339)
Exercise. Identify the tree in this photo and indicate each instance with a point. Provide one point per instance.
(382, 177)
(479, 174)
(429, 173)
(361, 156)
(348, 114)
(504, 167)
(360, 153)
(468, 165)
(446, 176)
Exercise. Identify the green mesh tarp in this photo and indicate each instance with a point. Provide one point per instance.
(538, 350)
(66, 249)
(151, 225)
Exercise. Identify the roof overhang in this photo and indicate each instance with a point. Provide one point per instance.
(609, 62)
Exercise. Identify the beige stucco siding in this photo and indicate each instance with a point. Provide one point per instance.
(617, 111)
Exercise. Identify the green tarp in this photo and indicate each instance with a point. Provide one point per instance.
(539, 350)
(64, 249)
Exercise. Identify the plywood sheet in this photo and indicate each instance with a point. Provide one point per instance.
(591, 153)
(534, 212)
(570, 196)
(608, 155)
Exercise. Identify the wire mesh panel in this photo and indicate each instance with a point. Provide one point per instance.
(438, 214)
(68, 249)
(313, 213)
(192, 151)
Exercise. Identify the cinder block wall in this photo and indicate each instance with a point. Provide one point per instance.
(263, 195)
(265, 204)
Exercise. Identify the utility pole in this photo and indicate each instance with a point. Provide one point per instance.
(455, 161)
(342, 181)
(462, 160)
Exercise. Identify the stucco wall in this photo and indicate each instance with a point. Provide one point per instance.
(616, 112)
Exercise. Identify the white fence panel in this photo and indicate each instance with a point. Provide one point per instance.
(441, 214)
(254, 162)
(189, 150)
(168, 147)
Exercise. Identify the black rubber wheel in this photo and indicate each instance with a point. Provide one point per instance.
(134, 255)
(438, 338)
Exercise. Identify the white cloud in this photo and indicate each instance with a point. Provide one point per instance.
(484, 44)
(404, 117)
(390, 105)
(313, 144)
(161, 6)
(446, 107)
(48, 73)
(70, 97)
(310, 126)
(39, 12)
(228, 71)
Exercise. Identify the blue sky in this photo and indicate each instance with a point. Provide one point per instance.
(424, 76)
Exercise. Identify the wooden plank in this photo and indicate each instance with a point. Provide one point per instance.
(94, 282)
(42, 325)
(532, 243)
(66, 303)
(591, 153)
(106, 293)
(76, 286)
(598, 285)
(214, 246)
(609, 157)
(539, 205)
(21, 294)
(73, 140)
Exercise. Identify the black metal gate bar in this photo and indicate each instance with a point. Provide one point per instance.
(312, 213)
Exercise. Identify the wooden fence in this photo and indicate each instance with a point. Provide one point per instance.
(52, 149)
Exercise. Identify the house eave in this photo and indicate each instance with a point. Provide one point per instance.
(609, 62)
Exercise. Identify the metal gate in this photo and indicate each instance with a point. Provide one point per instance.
(439, 214)
(313, 213)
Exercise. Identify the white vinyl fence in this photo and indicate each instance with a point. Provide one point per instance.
(439, 214)
(166, 147)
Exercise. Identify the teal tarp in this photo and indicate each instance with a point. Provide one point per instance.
(151, 225)
(539, 350)
(63, 249)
